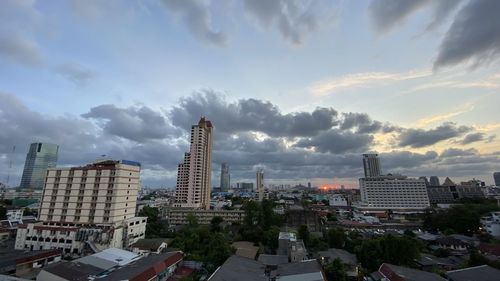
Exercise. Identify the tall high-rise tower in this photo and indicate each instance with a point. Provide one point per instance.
(224, 177)
(260, 184)
(434, 181)
(40, 157)
(194, 174)
(371, 165)
(496, 177)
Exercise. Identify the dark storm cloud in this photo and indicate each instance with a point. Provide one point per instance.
(293, 19)
(473, 137)
(473, 37)
(405, 159)
(196, 17)
(146, 135)
(133, 123)
(386, 14)
(75, 73)
(250, 115)
(364, 124)
(337, 142)
(420, 137)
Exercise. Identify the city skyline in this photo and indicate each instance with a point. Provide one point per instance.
(301, 89)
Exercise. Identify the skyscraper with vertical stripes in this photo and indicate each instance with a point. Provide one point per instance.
(194, 174)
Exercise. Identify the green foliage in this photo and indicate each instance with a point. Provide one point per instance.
(409, 233)
(336, 271)
(215, 224)
(3, 213)
(336, 238)
(207, 244)
(303, 234)
(154, 228)
(261, 224)
(463, 219)
(395, 250)
(442, 253)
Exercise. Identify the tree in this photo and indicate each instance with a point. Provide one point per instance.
(303, 234)
(215, 224)
(409, 233)
(335, 271)
(369, 254)
(3, 213)
(336, 238)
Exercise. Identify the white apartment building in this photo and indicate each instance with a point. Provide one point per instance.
(395, 193)
(194, 174)
(337, 200)
(491, 224)
(94, 204)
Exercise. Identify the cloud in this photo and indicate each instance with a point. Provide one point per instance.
(473, 37)
(364, 124)
(134, 123)
(473, 137)
(423, 122)
(443, 9)
(386, 14)
(364, 79)
(243, 137)
(197, 19)
(457, 152)
(250, 115)
(20, 49)
(419, 137)
(336, 142)
(293, 19)
(75, 73)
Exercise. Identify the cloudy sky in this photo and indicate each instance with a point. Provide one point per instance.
(301, 88)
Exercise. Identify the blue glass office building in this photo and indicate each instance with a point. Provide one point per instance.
(40, 157)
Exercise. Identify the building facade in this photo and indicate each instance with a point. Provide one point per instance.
(396, 193)
(260, 184)
(181, 216)
(434, 181)
(371, 165)
(92, 205)
(496, 178)
(194, 174)
(40, 157)
(225, 178)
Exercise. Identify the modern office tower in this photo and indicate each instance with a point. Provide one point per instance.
(40, 157)
(434, 181)
(395, 193)
(371, 165)
(92, 205)
(260, 184)
(194, 174)
(426, 180)
(224, 177)
(496, 177)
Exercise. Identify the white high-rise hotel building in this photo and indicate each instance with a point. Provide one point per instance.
(94, 204)
(194, 174)
(397, 193)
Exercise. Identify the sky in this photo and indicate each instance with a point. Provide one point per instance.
(298, 88)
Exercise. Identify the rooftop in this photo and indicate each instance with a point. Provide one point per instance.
(74, 271)
(401, 273)
(245, 249)
(145, 268)
(273, 259)
(477, 273)
(241, 269)
(287, 236)
(343, 255)
(150, 244)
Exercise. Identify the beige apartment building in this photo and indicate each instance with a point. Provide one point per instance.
(194, 174)
(91, 205)
(101, 192)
